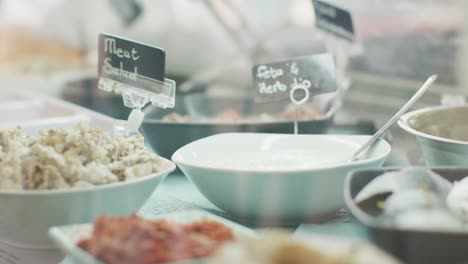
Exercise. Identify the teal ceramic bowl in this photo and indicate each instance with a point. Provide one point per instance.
(275, 178)
(441, 132)
(27, 215)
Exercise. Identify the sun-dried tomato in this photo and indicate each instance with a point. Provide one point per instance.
(132, 239)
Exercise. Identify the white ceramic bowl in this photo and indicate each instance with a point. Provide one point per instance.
(27, 215)
(275, 177)
(441, 132)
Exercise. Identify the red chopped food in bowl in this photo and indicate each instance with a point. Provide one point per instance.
(135, 240)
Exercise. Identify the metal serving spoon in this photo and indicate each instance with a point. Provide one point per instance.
(395, 118)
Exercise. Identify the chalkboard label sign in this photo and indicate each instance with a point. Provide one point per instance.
(280, 80)
(126, 61)
(334, 20)
(134, 70)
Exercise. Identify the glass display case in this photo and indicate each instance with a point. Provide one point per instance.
(221, 177)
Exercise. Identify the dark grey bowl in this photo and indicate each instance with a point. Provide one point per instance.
(409, 246)
(166, 137)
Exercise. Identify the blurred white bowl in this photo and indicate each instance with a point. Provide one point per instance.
(275, 177)
(35, 113)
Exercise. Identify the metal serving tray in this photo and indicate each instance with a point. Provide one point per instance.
(410, 246)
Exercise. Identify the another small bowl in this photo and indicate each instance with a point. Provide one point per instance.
(27, 215)
(271, 178)
(441, 132)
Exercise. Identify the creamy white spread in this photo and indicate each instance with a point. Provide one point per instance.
(71, 158)
(279, 160)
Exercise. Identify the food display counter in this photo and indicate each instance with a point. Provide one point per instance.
(226, 132)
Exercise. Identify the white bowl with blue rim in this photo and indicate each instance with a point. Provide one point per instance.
(32, 212)
(275, 178)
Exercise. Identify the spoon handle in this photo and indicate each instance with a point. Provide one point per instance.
(395, 118)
